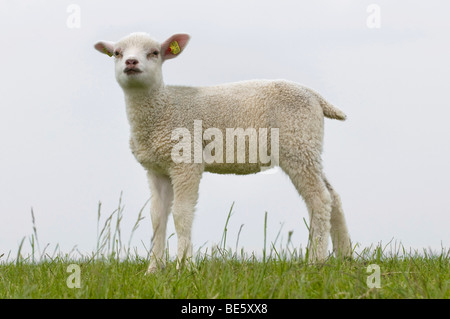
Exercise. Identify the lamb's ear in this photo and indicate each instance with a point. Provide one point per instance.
(174, 45)
(105, 47)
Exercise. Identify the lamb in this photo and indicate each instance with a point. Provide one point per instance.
(159, 115)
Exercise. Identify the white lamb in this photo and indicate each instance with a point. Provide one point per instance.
(156, 112)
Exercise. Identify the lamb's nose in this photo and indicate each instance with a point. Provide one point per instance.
(131, 62)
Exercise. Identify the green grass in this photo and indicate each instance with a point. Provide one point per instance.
(219, 275)
(222, 273)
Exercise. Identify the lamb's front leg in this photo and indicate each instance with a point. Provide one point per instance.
(161, 202)
(185, 180)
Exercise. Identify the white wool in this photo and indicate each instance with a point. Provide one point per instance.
(156, 111)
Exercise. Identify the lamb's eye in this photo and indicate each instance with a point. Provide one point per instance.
(116, 53)
(153, 54)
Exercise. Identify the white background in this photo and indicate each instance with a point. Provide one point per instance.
(64, 132)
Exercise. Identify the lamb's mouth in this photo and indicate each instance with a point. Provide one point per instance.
(130, 71)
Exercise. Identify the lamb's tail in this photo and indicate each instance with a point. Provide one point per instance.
(331, 111)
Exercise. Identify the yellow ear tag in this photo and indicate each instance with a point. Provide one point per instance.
(174, 48)
(107, 52)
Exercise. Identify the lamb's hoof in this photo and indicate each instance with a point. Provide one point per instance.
(153, 269)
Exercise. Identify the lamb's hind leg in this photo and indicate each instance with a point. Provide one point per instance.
(310, 185)
(339, 233)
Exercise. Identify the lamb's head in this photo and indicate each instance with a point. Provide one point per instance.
(139, 58)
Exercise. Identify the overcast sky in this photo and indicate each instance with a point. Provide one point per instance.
(64, 133)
